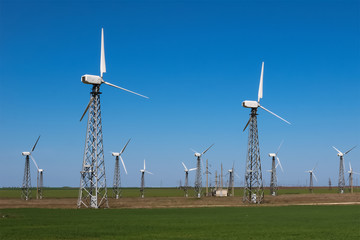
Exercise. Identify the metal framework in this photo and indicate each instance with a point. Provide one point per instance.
(40, 184)
(253, 189)
(311, 185)
(142, 189)
(186, 183)
(198, 179)
(26, 186)
(93, 191)
(117, 181)
(231, 183)
(273, 180)
(341, 175)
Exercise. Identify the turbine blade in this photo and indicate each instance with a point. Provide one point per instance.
(102, 57)
(122, 161)
(149, 172)
(144, 165)
(274, 114)
(247, 124)
(279, 147)
(349, 150)
(337, 150)
(193, 150)
(280, 164)
(315, 177)
(110, 84)
(192, 169)
(315, 166)
(207, 149)
(35, 144)
(125, 146)
(350, 166)
(260, 93)
(184, 167)
(34, 162)
(86, 109)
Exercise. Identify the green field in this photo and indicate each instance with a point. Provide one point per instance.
(151, 192)
(291, 222)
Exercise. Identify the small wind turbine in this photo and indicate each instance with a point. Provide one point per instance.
(351, 173)
(39, 180)
(26, 186)
(312, 173)
(198, 180)
(143, 171)
(187, 178)
(273, 180)
(342, 169)
(231, 181)
(117, 179)
(253, 190)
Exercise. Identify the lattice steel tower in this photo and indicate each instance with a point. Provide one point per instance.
(26, 186)
(186, 170)
(253, 189)
(142, 187)
(93, 191)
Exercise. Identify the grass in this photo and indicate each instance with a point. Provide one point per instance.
(67, 192)
(291, 222)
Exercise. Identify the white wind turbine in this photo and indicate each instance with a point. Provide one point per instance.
(93, 190)
(198, 180)
(312, 173)
(342, 169)
(187, 178)
(117, 179)
(143, 171)
(351, 173)
(253, 190)
(26, 186)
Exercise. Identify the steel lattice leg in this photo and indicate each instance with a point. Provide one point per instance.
(26, 186)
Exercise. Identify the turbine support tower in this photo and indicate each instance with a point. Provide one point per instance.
(198, 180)
(311, 186)
(273, 181)
(186, 184)
(341, 175)
(142, 184)
(93, 191)
(253, 189)
(26, 186)
(117, 181)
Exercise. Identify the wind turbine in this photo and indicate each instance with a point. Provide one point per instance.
(117, 180)
(143, 171)
(93, 191)
(39, 180)
(253, 190)
(187, 178)
(273, 180)
(26, 186)
(198, 180)
(342, 169)
(312, 173)
(351, 173)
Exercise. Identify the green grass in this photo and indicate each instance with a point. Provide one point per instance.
(291, 222)
(150, 192)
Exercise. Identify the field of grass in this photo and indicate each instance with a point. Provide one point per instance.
(291, 222)
(151, 192)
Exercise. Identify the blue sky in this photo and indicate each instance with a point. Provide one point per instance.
(197, 61)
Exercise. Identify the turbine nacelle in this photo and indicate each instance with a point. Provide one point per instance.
(115, 154)
(91, 79)
(25, 153)
(197, 154)
(142, 170)
(41, 170)
(272, 154)
(250, 104)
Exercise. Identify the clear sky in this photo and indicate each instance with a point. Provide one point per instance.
(197, 61)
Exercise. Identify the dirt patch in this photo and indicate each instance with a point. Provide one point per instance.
(181, 202)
